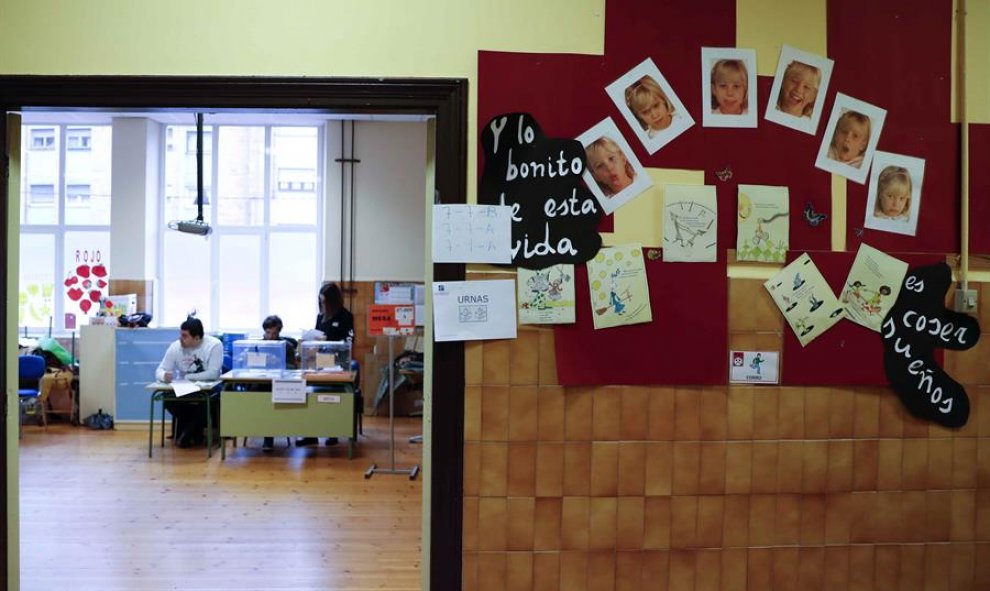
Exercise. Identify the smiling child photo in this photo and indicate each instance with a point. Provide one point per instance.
(797, 96)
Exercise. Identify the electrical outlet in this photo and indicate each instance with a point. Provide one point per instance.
(966, 301)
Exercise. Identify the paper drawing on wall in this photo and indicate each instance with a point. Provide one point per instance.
(805, 299)
(690, 223)
(915, 326)
(872, 286)
(762, 224)
(619, 291)
(554, 217)
(85, 285)
(650, 106)
(546, 296)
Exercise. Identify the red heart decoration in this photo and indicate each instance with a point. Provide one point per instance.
(101, 283)
(71, 281)
(82, 270)
(95, 295)
(109, 304)
(85, 305)
(74, 294)
(100, 271)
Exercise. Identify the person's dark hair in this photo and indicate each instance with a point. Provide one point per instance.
(271, 322)
(333, 299)
(194, 326)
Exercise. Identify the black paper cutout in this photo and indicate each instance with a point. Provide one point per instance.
(919, 322)
(554, 218)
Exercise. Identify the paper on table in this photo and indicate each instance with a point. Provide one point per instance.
(184, 387)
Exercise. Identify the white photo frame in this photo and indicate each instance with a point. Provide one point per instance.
(641, 83)
(796, 70)
(723, 70)
(851, 157)
(606, 137)
(894, 171)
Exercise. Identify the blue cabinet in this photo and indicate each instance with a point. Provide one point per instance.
(115, 364)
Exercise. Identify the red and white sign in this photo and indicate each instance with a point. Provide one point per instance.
(391, 319)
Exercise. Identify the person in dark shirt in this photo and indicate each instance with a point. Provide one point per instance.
(337, 323)
(273, 332)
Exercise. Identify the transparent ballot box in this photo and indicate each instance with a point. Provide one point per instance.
(258, 354)
(325, 355)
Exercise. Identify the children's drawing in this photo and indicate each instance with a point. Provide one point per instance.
(690, 225)
(546, 296)
(619, 291)
(805, 299)
(762, 224)
(872, 286)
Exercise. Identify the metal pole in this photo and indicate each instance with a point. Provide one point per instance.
(414, 470)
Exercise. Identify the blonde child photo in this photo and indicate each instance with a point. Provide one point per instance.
(609, 166)
(801, 80)
(849, 141)
(649, 105)
(613, 174)
(894, 200)
(850, 138)
(728, 87)
(730, 81)
(799, 89)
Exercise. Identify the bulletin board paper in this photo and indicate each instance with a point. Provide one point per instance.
(472, 234)
(686, 346)
(474, 310)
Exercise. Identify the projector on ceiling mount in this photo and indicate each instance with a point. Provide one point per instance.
(198, 227)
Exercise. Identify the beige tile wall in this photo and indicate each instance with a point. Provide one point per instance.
(711, 489)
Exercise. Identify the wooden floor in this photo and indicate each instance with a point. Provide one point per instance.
(97, 513)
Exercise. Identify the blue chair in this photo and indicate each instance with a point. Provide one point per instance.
(30, 369)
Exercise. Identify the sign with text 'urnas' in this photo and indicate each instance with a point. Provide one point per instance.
(917, 324)
(554, 217)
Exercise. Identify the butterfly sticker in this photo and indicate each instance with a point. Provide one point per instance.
(812, 217)
(724, 174)
(858, 232)
(654, 254)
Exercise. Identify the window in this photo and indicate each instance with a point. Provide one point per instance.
(65, 222)
(78, 138)
(191, 140)
(262, 234)
(42, 138)
(77, 195)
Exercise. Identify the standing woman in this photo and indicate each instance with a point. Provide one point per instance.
(337, 323)
(334, 320)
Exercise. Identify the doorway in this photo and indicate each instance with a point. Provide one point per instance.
(446, 100)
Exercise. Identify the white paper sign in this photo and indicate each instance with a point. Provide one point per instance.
(474, 310)
(256, 359)
(288, 391)
(754, 367)
(472, 234)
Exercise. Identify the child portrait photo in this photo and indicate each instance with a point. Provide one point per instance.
(614, 175)
(797, 97)
(649, 106)
(850, 138)
(894, 197)
(728, 87)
